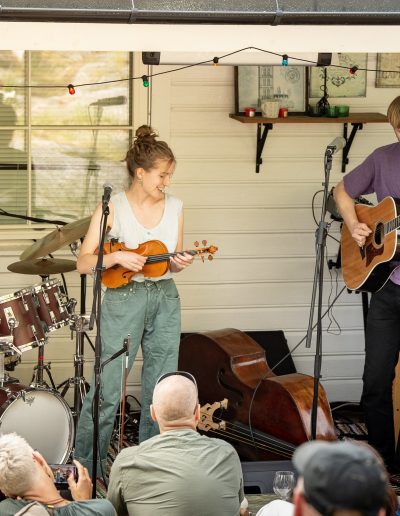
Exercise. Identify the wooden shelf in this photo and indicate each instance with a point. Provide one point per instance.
(357, 120)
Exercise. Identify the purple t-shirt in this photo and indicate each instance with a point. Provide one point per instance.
(379, 173)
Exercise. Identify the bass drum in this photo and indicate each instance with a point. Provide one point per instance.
(41, 416)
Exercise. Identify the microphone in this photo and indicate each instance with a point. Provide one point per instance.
(336, 145)
(107, 192)
(111, 101)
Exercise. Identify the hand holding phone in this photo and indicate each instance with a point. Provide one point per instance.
(81, 489)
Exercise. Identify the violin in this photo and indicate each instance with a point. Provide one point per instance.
(157, 262)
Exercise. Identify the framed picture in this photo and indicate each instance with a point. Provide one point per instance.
(256, 83)
(339, 81)
(388, 71)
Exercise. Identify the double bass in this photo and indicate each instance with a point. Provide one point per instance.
(266, 423)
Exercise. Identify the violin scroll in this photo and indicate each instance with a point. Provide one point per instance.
(211, 249)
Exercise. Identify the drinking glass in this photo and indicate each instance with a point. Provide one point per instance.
(283, 484)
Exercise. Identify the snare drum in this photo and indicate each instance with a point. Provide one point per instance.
(41, 416)
(20, 309)
(52, 304)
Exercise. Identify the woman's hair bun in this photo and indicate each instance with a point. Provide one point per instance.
(145, 132)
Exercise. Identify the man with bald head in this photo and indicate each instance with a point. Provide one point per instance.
(178, 472)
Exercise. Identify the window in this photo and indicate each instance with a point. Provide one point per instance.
(56, 149)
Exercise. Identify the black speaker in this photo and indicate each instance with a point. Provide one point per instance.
(151, 58)
(276, 349)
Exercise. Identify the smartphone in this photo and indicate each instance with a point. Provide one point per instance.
(61, 472)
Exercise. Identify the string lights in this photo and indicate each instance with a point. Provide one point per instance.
(145, 79)
(214, 61)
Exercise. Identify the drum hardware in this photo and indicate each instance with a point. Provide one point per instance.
(6, 347)
(37, 380)
(78, 324)
(42, 266)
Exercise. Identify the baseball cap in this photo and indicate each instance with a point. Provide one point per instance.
(341, 475)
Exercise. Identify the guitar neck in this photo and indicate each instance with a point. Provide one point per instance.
(156, 258)
(392, 225)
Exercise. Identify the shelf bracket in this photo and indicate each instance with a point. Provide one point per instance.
(261, 138)
(349, 140)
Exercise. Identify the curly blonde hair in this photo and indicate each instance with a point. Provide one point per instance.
(17, 466)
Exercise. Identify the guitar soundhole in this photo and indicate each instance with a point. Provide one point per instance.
(378, 234)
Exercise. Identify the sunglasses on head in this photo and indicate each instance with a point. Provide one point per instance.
(177, 373)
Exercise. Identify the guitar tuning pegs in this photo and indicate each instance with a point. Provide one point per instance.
(196, 244)
(204, 242)
(210, 257)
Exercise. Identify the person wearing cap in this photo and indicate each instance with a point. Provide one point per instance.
(178, 472)
(339, 479)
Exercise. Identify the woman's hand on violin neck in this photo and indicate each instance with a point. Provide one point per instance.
(181, 261)
(131, 261)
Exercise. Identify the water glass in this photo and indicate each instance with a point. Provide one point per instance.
(284, 483)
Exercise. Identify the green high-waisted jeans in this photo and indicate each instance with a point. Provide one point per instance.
(150, 312)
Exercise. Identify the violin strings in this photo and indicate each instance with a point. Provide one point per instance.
(154, 258)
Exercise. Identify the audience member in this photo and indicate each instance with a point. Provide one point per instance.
(339, 479)
(179, 472)
(282, 508)
(26, 478)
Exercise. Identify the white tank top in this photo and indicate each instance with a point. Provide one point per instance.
(126, 228)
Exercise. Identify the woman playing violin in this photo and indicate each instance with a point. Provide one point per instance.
(148, 310)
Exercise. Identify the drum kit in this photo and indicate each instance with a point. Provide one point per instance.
(38, 412)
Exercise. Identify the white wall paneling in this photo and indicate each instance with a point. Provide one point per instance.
(261, 277)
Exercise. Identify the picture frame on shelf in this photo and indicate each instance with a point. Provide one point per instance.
(256, 83)
(387, 70)
(340, 82)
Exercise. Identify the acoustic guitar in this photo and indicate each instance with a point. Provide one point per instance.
(369, 267)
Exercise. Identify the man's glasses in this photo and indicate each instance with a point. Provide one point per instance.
(178, 373)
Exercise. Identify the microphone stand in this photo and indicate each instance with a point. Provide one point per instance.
(96, 315)
(321, 235)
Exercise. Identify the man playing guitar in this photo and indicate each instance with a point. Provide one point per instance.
(378, 174)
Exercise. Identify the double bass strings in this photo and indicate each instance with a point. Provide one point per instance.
(241, 434)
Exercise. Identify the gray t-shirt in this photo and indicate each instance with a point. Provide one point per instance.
(177, 473)
(9, 507)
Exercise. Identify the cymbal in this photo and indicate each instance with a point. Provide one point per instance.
(57, 239)
(42, 266)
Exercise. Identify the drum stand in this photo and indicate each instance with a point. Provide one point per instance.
(37, 380)
(79, 324)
